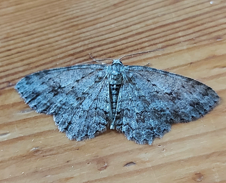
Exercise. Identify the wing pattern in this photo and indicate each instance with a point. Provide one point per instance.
(77, 97)
(150, 100)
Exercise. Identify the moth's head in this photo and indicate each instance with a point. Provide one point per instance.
(116, 61)
(116, 66)
(115, 72)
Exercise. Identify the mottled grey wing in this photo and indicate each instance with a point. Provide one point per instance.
(77, 96)
(150, 100)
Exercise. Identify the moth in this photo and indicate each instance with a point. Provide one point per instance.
(138, 101)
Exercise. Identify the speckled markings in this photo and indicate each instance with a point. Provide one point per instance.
(140, 102)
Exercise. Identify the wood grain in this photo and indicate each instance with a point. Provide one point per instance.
(37, 35)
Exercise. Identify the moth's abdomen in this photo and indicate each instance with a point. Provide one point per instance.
(114, 91)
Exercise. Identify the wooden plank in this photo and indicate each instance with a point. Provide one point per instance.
(46, 34)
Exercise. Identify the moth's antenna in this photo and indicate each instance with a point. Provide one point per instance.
(99, 60)
(131, 55)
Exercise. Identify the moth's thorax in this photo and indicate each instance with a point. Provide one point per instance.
(115, 72)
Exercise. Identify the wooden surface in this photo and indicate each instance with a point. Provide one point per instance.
(41, 34)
